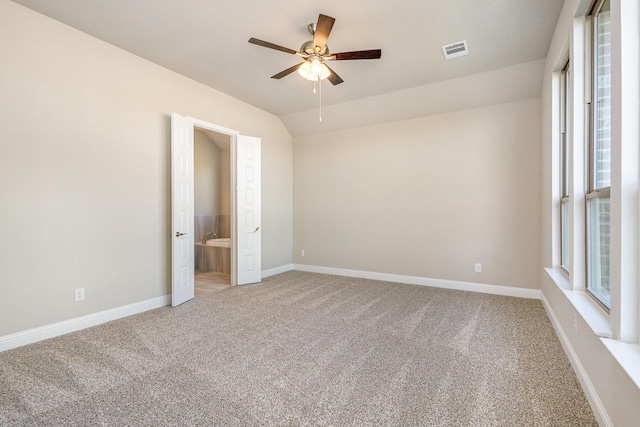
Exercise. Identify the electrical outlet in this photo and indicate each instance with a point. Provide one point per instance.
(302, 252)
(79, 293)
(478, 268)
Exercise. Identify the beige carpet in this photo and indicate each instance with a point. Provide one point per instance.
(304, 349)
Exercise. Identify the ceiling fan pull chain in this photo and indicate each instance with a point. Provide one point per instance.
(320, 84)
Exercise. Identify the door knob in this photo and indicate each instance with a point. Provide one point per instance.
(178, 234)
(257, 228)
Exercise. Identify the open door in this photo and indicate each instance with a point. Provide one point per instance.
(246, 207)
(182, 210)
(249, 243)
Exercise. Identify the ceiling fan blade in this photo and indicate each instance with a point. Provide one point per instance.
(286, 72)
(271, 46)
(333, 77)
(323, 28)
(358, 54)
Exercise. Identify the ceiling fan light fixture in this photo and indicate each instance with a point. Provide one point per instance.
(305, 70)
(315, 67)
(314, 70)
(324, 73)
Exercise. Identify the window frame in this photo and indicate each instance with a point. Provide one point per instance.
(593, 190)
(565, 158)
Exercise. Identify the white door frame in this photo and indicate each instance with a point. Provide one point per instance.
(233, 134)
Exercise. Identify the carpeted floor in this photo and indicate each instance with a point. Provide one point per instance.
(304, 349)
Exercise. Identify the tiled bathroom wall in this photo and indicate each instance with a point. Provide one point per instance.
(220, 224)
(202, 225)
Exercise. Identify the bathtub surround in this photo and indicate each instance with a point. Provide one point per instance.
(305, 349)
(218, 224)
(224, 242)
(202, 225)
(211, 258)
(222, 226)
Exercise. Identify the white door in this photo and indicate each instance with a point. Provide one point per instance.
(182, 210)
(249, 242)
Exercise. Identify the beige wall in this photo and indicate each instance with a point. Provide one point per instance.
(84, 182)
(428, 197)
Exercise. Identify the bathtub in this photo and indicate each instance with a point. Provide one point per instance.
(224, 242)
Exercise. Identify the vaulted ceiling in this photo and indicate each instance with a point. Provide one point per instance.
(206, 40)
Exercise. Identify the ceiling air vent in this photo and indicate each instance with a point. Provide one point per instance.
(455, 49)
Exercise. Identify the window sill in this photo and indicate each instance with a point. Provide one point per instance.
(627, 355)
(589, 310)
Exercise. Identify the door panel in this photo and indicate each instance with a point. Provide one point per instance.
(182, 210)
(249, 242)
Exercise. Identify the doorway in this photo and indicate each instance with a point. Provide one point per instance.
(212, 211)
(245, 189)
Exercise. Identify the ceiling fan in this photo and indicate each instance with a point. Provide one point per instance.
(315, 52)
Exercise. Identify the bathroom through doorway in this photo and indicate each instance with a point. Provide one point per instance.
(212, 211)
(246, 213)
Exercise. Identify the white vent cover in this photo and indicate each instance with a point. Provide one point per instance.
(455, 49)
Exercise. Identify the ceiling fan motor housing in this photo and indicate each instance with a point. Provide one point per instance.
(308, 48)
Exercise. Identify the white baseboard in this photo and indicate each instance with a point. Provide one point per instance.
(277, 270)
(589, 390)
(425, 281)
(31, 336)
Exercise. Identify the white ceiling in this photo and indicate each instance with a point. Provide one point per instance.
(206, 40)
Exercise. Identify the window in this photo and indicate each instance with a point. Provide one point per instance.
(565, 114)
(599, 170)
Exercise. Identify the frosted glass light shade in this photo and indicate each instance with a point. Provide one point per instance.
(316, 67)
(305, 70)
(314, 70)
